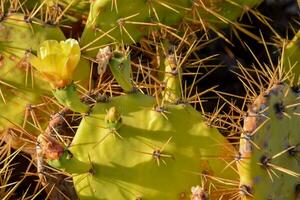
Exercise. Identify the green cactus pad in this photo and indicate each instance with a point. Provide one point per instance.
(291, 57)
(121, 69)
(269, 167)
(126, 22)
(143, 153)
(172, 80)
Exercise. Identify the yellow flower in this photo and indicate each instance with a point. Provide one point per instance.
(57, 61)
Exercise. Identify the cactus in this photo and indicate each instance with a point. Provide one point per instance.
(134, 145)
(269, 146)
(144, 154)
(131, 148)
(126, 22)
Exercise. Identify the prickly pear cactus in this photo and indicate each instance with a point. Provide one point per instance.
(135, 146)
(269, 164)
(126, 22)
(129, 147)
(125, 149)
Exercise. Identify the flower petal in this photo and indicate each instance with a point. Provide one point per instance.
(57, 61)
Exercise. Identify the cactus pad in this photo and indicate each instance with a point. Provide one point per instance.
(269, 167)
(127, 149)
